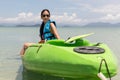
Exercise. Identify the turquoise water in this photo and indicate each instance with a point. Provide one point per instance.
(12, 39)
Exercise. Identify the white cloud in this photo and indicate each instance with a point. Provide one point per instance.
(108, 9)
(30, 17)
(107, 13)
(90, 13)
(21, 18)
(111, 18)
(110, 13)
(67, 19)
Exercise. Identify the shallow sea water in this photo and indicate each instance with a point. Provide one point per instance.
(13, 38)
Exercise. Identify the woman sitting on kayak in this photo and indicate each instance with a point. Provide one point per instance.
(48, 30)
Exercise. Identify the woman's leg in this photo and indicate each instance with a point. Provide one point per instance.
(25, 46)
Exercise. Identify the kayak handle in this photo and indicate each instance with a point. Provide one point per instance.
(103, 60)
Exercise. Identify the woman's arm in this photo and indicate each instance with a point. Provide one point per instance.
(54, 30)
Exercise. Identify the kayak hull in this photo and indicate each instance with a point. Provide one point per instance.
(58, 58)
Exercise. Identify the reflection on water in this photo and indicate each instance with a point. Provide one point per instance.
(30, 75)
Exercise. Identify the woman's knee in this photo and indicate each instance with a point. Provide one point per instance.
(27, 45)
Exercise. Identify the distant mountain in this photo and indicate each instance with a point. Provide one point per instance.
(25, 25)
(117, 25)
(1, 25)
(95, 24)
(102, 24)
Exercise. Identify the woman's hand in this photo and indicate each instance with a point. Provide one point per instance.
(42, 41)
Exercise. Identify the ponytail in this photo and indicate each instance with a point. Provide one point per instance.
(41, 31)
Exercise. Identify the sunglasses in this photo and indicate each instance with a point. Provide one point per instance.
(45, 15)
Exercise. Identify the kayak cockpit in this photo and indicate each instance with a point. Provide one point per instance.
(79, 42)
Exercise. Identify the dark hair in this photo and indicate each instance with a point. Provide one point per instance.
(41, 31)
(45, 10)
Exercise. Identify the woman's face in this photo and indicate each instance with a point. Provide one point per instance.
(45, 16)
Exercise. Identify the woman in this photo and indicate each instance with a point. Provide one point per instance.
(48, 30)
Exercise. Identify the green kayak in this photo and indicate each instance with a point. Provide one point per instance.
(73, 58)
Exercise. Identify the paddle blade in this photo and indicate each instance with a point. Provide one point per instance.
(77, 37)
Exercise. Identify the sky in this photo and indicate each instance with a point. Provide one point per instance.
(79, 12)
